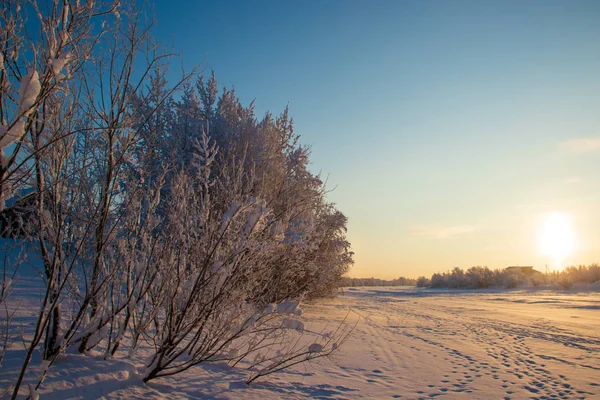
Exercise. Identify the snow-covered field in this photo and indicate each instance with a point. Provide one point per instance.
(408, 343)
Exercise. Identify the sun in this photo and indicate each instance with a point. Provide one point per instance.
(557, 239)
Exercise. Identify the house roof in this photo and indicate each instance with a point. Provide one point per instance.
(18, 196)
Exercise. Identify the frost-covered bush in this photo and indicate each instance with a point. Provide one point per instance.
(480, 277)
(163, 214)
(511, 281)
(483, 277)
(564, 283)
(537, 280)
(423, 282)
(438, 281)
(583, 274)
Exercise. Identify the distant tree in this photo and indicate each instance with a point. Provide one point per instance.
(423, 282)
(438, 281)
(483, 277)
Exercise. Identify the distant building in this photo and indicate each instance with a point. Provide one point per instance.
(528, 270)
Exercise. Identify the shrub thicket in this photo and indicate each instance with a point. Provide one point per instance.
(483, 277)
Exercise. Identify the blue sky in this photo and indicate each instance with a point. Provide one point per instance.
(450, 129)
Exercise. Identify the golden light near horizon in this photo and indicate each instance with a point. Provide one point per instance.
(557, 239)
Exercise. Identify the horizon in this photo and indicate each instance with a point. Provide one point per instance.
(449, 270)
(450, 132)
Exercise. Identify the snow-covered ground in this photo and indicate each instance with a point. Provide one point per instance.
(409, 343)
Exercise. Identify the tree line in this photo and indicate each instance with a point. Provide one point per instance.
(401, 281)
(484, 277)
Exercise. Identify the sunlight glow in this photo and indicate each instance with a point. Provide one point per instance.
(557, 239)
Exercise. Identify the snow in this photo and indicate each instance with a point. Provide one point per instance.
(6, 283)
(33, 393)
(227, 216)
(288, 307)
(315, 348)
(58, 64)
(409, 343)
(270, 308)
(28, 91)
(97, 336)
(293, 324)
(65, 15)
(14, 133)
(254, 219)
(217, 266)
(18, 195)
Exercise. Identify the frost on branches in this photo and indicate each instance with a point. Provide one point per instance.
(181, 221)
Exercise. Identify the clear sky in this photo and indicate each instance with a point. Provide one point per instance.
(450, 129)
